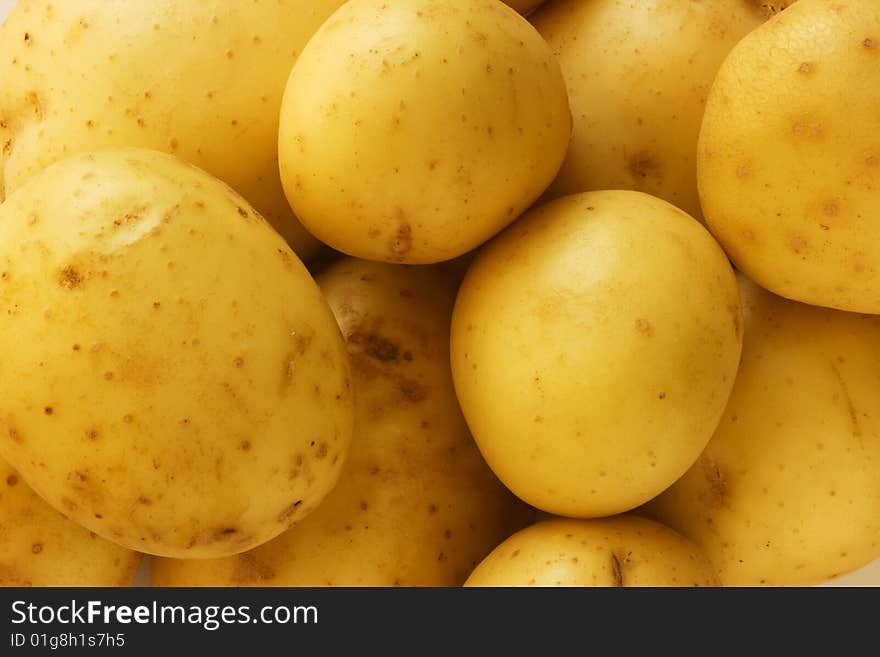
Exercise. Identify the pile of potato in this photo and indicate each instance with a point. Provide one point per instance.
(436, 293)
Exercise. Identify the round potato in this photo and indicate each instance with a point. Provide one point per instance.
(594, 345)
(201, 80)
(40, 547)
(638, 74)
(413, 131)
(620, 551)
(416, 504)
(788, 489)
(172, 378)
(789, 155)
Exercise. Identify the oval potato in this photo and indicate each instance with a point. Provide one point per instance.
(789, 155)
(414, 131)
(416, 504)
(172, 378)
(619, 551)
(594, 345)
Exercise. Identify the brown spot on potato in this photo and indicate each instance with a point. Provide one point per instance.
(412, 391)
(92, 433)
(127, 419)
(245, 445)
(831, 209)
(36, 548)
(322, 451)
(798, 244)
(716, 482)
(48, 410)
(644, 327)
(806, 68)
(402, 241)
(644, 165)
(364, 506)
(616, 571)
(743, 171)
(851, 409)
(11, 480)
(432, 509)
(375, 346)
(70, 278)
(238, 361)
(288, 511)
(144, 500)
(870, 43)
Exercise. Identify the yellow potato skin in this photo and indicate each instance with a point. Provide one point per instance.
(787, 493)
(40, 547)
(594, 345)
(201, 80)
(413, 131)
(620, 551)
(415, 505)
(789, 179)
(638, 73)
(172, 378)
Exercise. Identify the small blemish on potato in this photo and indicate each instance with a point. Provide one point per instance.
(92, 434)
(432, 509)
(402, 242)
(36, 548)
(644, 327)
(48, 410)
(831, 209)
(127, 419)
(742, 171)
(238, 362)
(870, 44)
(144, 500)
(11, 480)
(108, 376)
(245, 445)
(289, 511)
(798, 244)
(70, 278)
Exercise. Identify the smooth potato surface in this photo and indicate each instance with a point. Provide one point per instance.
(201, 80)
(594, 345)
(789, 155)
(172, 378)
(413, 131)
(619, 551)
(788, 490)
(416, 504)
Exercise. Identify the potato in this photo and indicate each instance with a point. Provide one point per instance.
(594, 345)
(619, 551)
(201, 80)
(638, 74)
(789, 156)
(171, 377)
(416, 504)
(413, 131)
(40, 547)
(788, 489)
